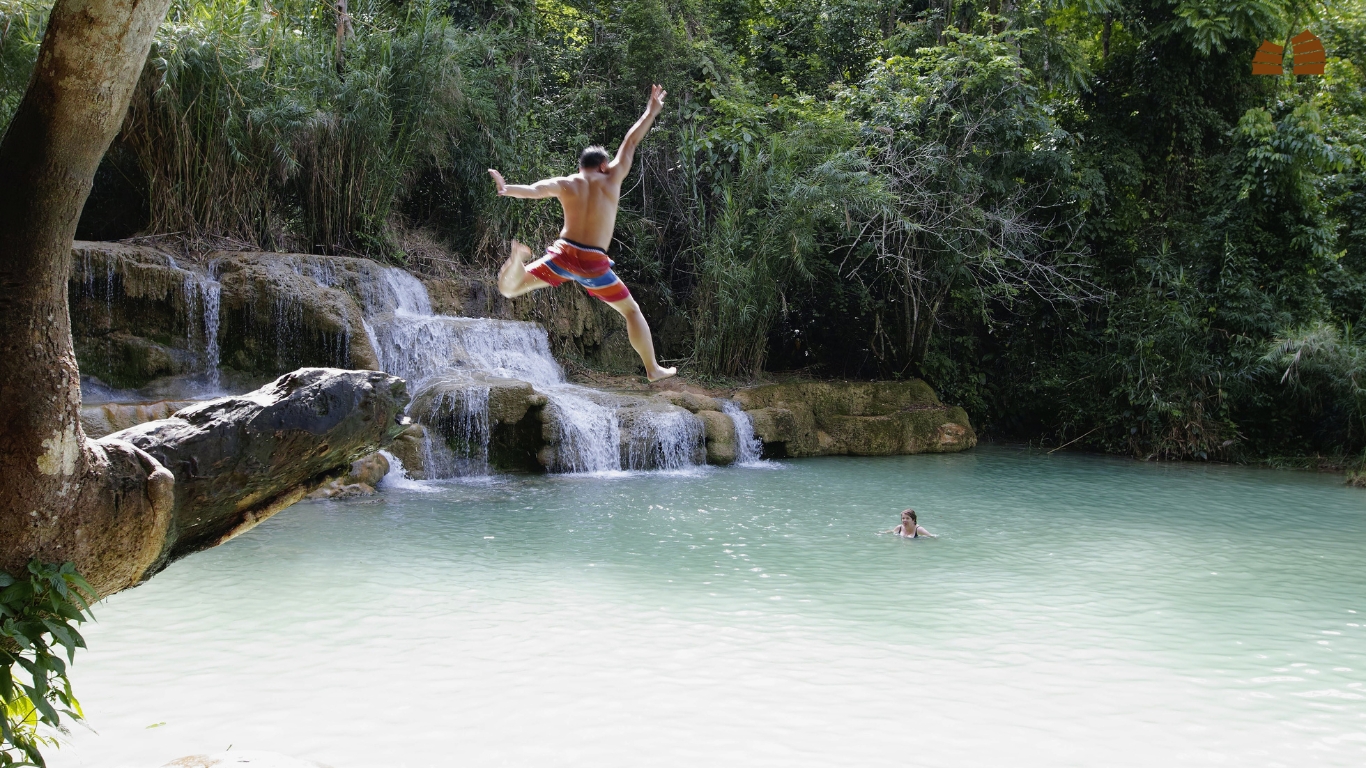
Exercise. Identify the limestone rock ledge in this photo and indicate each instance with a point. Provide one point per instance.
(884, 418)
(792, 420)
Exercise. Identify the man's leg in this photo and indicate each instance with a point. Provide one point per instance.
(513, 279)
(639, 332)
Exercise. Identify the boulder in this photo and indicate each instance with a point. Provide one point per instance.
(855, 418)
(720, 433)
(409, 450)
(361, 480)
(239, 460)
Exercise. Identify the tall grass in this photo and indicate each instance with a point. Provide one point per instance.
(247, 127)
(21, 32)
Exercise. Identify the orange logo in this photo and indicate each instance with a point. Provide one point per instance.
(1308, 54)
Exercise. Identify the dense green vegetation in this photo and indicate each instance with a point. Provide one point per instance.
(38, 616)
(1082, 220)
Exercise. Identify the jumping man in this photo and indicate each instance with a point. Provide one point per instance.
(589, 199)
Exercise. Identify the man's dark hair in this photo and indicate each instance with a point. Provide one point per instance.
(593, 157)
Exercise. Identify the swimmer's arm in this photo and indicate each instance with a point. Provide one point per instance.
(923, 532)
(541, 189)
(621, 164)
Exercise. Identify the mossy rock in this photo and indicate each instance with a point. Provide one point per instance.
(855, 419)
(513, 409)
(278, 317)
(720, 436)
(133, 315)
(138, 315)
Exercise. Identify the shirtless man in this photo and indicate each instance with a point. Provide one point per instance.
(589, 199)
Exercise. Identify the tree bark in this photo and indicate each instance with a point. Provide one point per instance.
(89, 62)
(343, 33)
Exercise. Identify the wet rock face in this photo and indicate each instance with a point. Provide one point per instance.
(855, 419)
(720, 435)
(659, 435)
(132, 317)
(276, 316)
(486, 421)
(239, 460)
(139, 315)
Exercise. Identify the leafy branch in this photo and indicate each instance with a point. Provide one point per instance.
(38, 618)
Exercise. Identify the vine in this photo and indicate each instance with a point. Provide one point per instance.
(38, 617)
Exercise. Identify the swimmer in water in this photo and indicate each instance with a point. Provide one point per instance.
(909, 528)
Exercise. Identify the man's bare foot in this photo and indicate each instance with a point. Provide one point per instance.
(512, 274)
(659, 374)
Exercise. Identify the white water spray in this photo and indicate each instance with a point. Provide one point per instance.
(749, 449)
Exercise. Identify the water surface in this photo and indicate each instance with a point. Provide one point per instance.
(1075, 611)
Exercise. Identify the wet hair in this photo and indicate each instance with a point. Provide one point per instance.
(593, 157)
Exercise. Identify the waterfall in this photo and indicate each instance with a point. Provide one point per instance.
(448, 363)
(398, 476)
(588, 437)
(427, 348)
(203, 309)
(463, 415)
(748, 448)
(417, 347)
(663, 440)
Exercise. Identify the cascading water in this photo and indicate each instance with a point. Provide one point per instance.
(463, 414)
(589, 438)
(663, 440)
(203, 297)
(429, 349)
(749, 449)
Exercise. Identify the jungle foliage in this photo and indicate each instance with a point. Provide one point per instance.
(1082, 219)
(39, 612)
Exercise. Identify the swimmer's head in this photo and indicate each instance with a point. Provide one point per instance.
(593, 159)
(908, 513)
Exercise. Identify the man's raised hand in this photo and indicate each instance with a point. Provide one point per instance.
(657, 94)
(498, 182)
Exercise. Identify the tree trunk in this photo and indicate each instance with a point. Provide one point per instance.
(89, 62)
(110, 506)
(343, 33)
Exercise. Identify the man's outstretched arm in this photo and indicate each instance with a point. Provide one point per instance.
(621, 164)
(541, 189)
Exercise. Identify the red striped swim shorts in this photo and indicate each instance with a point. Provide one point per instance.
(567, 260)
